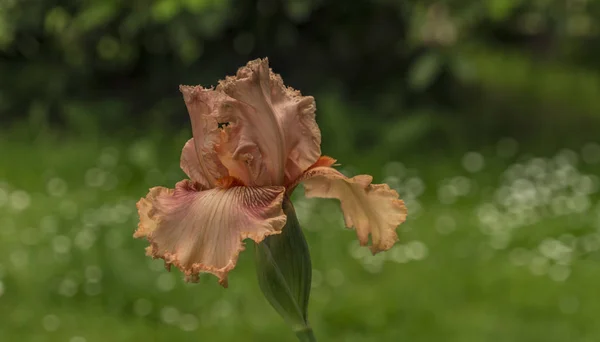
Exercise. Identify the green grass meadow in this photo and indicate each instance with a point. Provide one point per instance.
(500, 245)
(483, 115)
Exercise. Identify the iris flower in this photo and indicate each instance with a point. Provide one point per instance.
(254, 140)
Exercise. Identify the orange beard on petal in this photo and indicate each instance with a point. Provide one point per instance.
(228, 182)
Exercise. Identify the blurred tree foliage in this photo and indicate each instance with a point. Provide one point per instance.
(108, 66)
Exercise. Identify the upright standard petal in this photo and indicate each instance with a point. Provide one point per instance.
(202, 230)
(206, 166)
(296, 116)
(373, 209)
(281, 121)
(236, 141)
(191, 165)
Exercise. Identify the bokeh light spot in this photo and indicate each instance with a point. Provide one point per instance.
(335, 277)
(165, 282)
(20, 200)
(188, 322)
(416, 250)
(142, 307)
(590, 153)
(507, 147)
(169, 314)
(473, 162)
(445, 224)
(57, 187)
(61, 244)
(3, 197)
(50, 322)
(68, 287)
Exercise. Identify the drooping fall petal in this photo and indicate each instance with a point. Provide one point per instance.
(202, 230)
(372, 209)
(289, 136)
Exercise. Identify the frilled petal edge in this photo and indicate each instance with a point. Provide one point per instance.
(202, 230)
(276, 118)
(206, 165)
(371, 209)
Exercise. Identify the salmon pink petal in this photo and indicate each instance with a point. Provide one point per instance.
(270, 121)
(372, 209)
(202, 230)
(235, 139)
(206, 166)
(296, 116)
(190, 164)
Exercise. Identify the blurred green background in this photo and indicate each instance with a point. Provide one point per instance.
(484, 115)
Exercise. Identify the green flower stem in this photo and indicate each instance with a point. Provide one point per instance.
(284, 274)
(306, 335)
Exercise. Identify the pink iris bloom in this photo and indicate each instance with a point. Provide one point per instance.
(254, 140)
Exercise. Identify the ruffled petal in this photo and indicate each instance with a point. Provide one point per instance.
(256, 123)
(272, 124)
(237, 141)
(296, 116)
(205, 128)
(373, 209)
(202, 230)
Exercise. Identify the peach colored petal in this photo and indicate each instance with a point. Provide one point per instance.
(147, 225)
(278, 120)
(202, 230)
(205, 128)
(236, 138)
(296, 116)
(323, 161)
(373, 209)
(254, 123)
(190, 164)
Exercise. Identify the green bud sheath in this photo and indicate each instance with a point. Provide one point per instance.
(284, 273)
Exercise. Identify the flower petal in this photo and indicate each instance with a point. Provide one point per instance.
(205, 128)
(202, 230)
(278, 120)
(147, 225)
(190, 164)
(373, 209)
(296, 116)
(235, 141)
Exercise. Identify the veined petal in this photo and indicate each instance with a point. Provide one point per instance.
(205, 128)
(255, 122)
(278, 120)
(373, 209)
(202, 230)
(235, 143)
(296, 116)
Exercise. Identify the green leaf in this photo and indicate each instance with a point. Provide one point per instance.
(284, 273)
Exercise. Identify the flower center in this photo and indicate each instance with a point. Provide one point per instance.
(228, 182)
